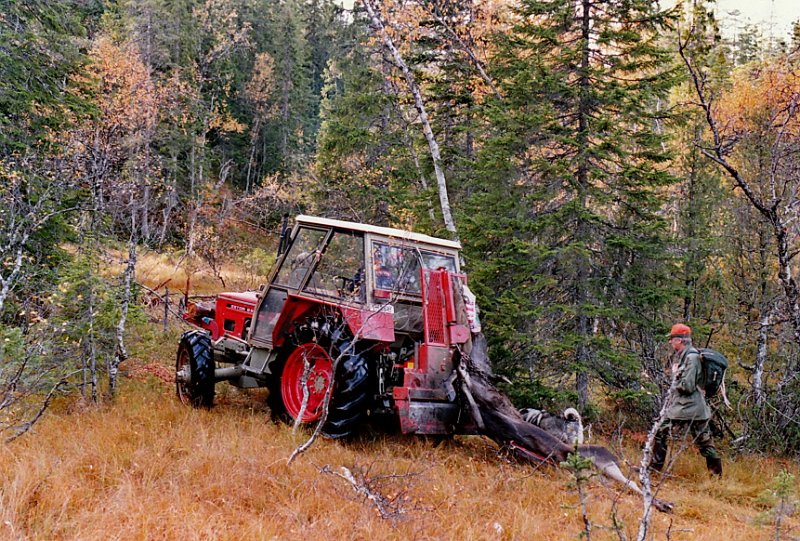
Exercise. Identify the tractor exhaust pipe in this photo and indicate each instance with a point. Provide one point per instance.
(233, 372)
(284, 240)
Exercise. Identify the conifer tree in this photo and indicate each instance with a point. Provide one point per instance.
(576, 138)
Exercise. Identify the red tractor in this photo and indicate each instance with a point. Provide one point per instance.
(379, 304)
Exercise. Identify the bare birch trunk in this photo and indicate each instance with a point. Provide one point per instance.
(9, 280)
(761, 356)
(648, 500)
(120, 353)
(444, 200)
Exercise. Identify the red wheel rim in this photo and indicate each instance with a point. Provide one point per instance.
(320, 376)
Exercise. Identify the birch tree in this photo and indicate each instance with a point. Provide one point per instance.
(771, 118)
(373, 9)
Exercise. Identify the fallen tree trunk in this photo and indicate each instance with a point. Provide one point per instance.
(498, 419)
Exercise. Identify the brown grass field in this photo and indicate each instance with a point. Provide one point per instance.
(148, 468)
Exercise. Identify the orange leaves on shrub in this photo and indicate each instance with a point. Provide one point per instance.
(764, 97)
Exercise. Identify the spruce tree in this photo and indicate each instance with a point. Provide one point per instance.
(578, 148)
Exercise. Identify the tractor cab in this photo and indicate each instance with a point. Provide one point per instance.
(371, 273)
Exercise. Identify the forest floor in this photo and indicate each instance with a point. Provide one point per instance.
(147, 467)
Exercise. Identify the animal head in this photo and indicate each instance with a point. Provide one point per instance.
(573, 428)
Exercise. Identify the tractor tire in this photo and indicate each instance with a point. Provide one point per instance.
(349, 402)
(347, 409)
(194, 370)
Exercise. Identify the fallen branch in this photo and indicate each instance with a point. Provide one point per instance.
(370, 489)
(45, 404)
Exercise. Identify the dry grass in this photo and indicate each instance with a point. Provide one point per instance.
(155, 270)
(149, 468)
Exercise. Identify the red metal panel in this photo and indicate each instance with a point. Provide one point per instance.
(459, 334)
(293, 309)
(434, 307)
(422, 402)
(382, 293)
(234, 307)
(447, 292)
(371, 324)
(367, 324)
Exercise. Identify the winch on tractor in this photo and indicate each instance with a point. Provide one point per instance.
(380, 305)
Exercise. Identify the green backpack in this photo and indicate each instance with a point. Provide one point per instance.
(714, 366)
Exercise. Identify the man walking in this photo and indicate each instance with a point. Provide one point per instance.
(688, 413)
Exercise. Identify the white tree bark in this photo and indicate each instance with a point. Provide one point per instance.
(761, 355)
(644, 466)
(120, 353)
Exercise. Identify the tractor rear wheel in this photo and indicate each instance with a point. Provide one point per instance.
(348, 405)
(194, 370)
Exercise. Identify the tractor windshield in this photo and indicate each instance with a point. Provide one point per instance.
(304, 252)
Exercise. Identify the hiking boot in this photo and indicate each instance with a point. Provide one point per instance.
(714, 465)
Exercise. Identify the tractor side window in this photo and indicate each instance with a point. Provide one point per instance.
(340, 270)
(301, 257)
(396, 268)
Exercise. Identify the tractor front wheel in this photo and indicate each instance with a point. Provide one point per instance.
(194, 370)
(306, 376)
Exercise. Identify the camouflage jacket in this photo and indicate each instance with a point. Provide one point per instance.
(689, 403)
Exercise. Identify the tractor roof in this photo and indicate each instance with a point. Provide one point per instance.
(377, 230)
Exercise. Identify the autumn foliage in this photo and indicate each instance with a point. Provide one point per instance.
(764, 97)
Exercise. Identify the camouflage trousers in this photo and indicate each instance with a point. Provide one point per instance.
(678, 430)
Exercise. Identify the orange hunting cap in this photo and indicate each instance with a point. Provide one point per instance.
(679, 330)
